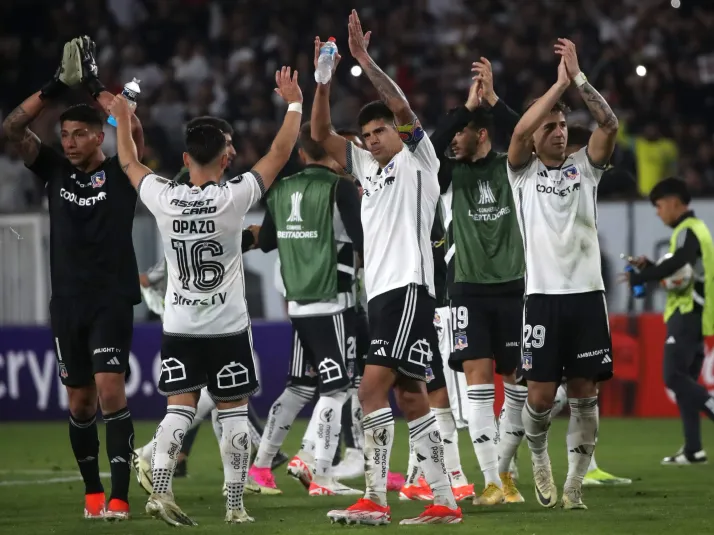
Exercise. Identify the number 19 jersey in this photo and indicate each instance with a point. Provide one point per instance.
(201, 230)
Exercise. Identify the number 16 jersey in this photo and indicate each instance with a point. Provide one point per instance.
(201, 230)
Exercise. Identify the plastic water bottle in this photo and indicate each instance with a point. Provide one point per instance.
(638, 290)
(131, 93)
(326, 61)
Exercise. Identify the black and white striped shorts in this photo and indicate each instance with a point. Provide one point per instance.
(323, 346)
(401, 325)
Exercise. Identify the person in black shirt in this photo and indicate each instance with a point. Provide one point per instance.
(94, 277)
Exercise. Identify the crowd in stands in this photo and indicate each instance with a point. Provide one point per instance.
(654, 63)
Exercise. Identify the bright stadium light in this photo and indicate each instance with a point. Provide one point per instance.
(641, 70)
(675, 4)
(356, 71)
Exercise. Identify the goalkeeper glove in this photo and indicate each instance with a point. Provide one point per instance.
(67, 74)
(90, 71)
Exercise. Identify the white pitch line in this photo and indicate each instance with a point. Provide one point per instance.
(48, 481)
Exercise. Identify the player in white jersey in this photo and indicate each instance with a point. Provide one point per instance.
(398, 175)
(206, 336)
(565, 330)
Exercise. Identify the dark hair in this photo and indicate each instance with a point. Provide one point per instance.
(579, 135)
(223, 125)
(481, 118)
(311, 147)
(558, 107)
(670, 187)
(82, 113)
(373, 111)
(204, 143)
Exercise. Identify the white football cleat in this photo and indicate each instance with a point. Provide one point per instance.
(238, 516)
(163, 507)
(351, 466)
(332, 488)
(142, 468)
(545, 490)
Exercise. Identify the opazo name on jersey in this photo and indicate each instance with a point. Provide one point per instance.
(205, 301)
(193, 227)
(195, 207)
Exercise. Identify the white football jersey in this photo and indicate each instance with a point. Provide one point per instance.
(201, 229)
(557, 213)
(398, 209)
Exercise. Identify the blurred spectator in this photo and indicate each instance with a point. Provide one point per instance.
(652, 62)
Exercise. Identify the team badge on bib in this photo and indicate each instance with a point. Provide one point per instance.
(461, 342)
(429, 374)
(98, 179)
(570, 172)
(527, 361)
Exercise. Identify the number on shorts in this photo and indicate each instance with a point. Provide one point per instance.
(207, 274)
(538, 333)
(460, 317)
(351, 348)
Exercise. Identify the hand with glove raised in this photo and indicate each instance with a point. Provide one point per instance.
(68, 74)
(90, 72)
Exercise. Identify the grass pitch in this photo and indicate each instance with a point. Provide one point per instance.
(40, 491)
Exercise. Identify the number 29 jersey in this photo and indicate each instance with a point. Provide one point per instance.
(201, 230)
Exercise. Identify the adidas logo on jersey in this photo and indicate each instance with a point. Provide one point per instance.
(543, 174)
(606, 359)
(114, 362)
(381, 352)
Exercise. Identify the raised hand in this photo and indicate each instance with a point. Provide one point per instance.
(288, 87)
(565, 48)
(484, 73)
(318, 45)
(120, 108)
(475, 94)
(563, 77)
(358, 41)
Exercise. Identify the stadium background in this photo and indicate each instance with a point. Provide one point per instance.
(653, 62)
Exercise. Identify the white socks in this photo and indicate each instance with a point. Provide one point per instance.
(482, 428)
(328, 412)
(582, 431)
(511, 431)
(281, 417)
(235, 453)
(536, 425)
(357, 431)
(378, 441)
(450, 437)
(167, 445)
(561, 400)
(413, 469)
(429, 449)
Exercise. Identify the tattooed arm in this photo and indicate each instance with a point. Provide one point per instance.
(388, 91)
(104, 100)
(603, 139)
(16, 128)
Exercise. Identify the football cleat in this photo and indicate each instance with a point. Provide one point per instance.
(299, 469)
(510, 492)
(261, 481)
(573, 499)
(142, 468)
(94, 506)
(395, 481)
(683, 458)
(332, 488)
(238, 516)
(491, 495)
(600, 477)
(436, 514)
(363, 512)
(463, 492)
(420, 491)
(351, 465)
(545, 490)
(163, 507)
(117, 510)
(279, 460)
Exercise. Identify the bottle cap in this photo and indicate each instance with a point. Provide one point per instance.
(331, 40)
